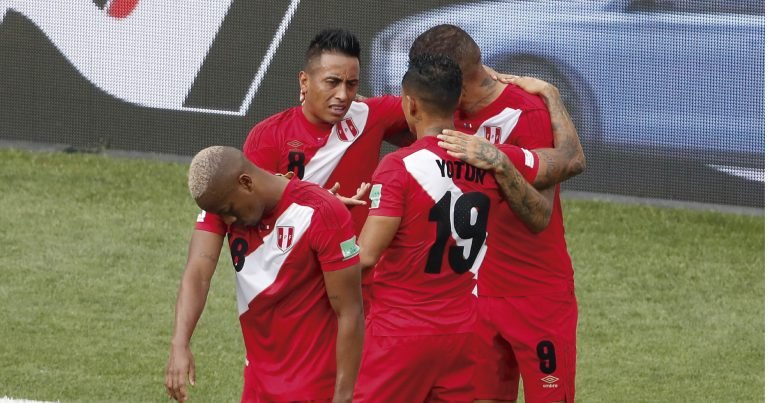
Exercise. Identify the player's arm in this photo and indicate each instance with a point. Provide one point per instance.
(204, 250)
(343, 288)
(567, 158)
(375, 237)
(534, 208)
(386, 212)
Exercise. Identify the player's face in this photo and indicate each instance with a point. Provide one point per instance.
(241, 205)
(329, 85)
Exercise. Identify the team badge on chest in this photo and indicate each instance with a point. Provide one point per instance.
(346, 130)
(284, 237)
(492, 134)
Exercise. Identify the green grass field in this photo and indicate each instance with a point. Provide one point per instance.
(671, 301)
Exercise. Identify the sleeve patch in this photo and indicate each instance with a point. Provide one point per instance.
(375, 195)
(349, 248)
(201, 216)
(528, 158)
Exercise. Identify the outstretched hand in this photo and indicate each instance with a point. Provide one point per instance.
(357, 199)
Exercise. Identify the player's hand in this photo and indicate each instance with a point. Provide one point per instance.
(502, 78)
(533, 85)
(181, 367)
(357, 199)
(474, 150)
(287, 175)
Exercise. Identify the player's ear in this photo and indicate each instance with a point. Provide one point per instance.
(245, 182)
(413, 108)
(303, 81)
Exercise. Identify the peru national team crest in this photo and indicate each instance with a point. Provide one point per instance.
(493, 134)
(346, 130)
(284, 238)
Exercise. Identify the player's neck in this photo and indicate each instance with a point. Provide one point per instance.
(433, 127)
(274, 189)
(314, 120)
(480, 90)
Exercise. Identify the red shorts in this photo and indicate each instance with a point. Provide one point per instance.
(533, 337)
(252, 392)
(431, 368)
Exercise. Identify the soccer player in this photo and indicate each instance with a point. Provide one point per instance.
(427, 229)
(330, 139)
(527, 304)
(298, 282)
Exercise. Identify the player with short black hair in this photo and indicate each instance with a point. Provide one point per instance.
(333, 40)
(527, 303)
(426, 234)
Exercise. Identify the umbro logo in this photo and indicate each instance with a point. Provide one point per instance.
(295, 143)
(549, 381)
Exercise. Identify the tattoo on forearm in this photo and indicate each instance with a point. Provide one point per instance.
(529, 205)
(567, 158)
(489, 154)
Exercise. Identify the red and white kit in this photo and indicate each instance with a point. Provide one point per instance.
(420, 338)
(288, 324)
(527, 303)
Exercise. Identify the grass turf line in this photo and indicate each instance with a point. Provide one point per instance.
(670, 301)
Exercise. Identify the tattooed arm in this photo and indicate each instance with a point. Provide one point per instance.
(567, 158)
(531, 206)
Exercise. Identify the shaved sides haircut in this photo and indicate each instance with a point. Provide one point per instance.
(209, 166)
(448, 40)
(436, 81)
(333, 41)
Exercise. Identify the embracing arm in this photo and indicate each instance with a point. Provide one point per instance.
(343, 288)
(534, 208)
(567, 158)
(204, 250)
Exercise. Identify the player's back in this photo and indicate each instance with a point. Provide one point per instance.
(424, 281)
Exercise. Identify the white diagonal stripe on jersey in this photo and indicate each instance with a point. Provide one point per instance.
(423, 168)
(506, 120)
(263, 264)
(327, 158)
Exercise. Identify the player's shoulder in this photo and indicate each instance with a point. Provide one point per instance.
(382, 100)
(277, 120)
(315, 197)
(522, 100)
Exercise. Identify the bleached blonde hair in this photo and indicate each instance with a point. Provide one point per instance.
(204, 169)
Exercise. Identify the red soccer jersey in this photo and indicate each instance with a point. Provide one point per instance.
(346, 152)
(423, 283)
(288, 324)
(520, 262)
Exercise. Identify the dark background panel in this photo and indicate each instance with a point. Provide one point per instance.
(43, 98)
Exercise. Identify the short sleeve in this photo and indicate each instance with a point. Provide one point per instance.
(533, 130)
(261, 148)
(388, 188)
(389, 111)
(211, 223)
(526, 161)
(332, 237)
